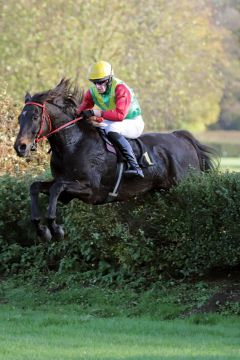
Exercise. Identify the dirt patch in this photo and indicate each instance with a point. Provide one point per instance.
(224, 299)
(220, 299)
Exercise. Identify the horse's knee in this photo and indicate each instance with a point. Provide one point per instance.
(34, 188)
(57, 188)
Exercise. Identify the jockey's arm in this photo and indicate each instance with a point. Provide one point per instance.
(87, 102)
(123, 101)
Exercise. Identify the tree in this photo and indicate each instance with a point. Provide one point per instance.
(170, 52)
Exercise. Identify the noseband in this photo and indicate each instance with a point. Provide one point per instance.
(46, 120)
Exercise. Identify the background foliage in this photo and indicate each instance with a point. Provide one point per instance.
(112, 242)
(172, 53)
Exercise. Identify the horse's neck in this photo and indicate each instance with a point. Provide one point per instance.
(66, 139)
(67, 136)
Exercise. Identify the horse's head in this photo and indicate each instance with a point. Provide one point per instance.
(30, 121)
(36, 117)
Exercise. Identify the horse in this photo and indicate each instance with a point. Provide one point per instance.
(81, 165)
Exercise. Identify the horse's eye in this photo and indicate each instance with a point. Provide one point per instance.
(35, 117)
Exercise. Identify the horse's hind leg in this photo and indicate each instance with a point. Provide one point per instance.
(35, 189)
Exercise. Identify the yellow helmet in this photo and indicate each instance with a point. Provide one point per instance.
(100, 70)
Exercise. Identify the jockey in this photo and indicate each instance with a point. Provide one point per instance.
(119, 114)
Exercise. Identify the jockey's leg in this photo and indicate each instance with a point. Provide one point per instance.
(124, 146)
(129, 128)
(117, 131)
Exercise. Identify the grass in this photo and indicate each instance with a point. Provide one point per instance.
(163, 303)
(230, 164)
(227, 143)
(95, 323)
(37, 335)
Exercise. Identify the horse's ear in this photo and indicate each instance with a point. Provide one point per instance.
(27, 97)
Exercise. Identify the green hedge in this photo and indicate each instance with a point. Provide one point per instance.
(185, 232)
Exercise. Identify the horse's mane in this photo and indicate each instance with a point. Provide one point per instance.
(65, 95)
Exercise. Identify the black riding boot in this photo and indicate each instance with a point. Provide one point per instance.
(125, 148)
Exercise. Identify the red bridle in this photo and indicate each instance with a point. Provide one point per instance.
(45, 119)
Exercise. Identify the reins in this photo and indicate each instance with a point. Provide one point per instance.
(45, 119)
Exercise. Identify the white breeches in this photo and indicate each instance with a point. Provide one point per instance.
(130, 128)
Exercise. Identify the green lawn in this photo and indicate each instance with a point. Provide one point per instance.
(63, 335)
(43, 323)
(230, 163)
(227, 143)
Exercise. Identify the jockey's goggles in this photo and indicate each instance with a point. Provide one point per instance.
(100, 81)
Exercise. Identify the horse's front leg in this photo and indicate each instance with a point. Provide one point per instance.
(73, 187)
(56, 189)
(36, 188)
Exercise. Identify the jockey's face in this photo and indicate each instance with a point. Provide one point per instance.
(101, 85)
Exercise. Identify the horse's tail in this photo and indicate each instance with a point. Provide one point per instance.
(207, 155)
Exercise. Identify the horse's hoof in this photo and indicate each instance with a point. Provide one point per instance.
(44, 233)
(58, 232)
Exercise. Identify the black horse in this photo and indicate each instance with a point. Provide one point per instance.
(81, 165)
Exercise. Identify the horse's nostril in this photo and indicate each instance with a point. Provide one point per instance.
(22, 147)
